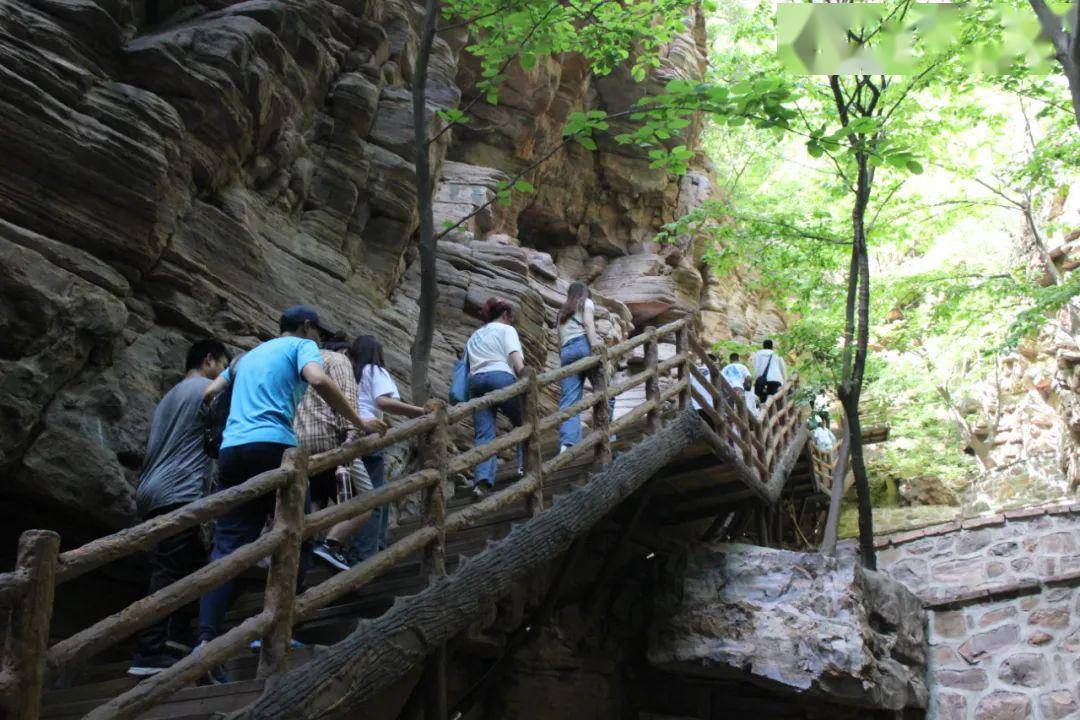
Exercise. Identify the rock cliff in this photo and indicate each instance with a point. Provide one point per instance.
(797, 624)
(1031, 414)
(178, 169)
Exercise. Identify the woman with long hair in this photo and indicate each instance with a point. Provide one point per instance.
(324, 487)
(577, 338)
(378, 393)
(495, 360)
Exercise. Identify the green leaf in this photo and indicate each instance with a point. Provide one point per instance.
(638, 73)
(814, 149)
(524, 186)
(586, 142)
(915, 167)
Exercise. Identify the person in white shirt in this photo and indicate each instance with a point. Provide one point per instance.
(698, 387)
(750, 398)
(376, 393)
(495, 360)
(578, 338)
(735, 372)
(769, 365)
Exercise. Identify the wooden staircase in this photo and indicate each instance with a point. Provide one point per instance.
(729, 478)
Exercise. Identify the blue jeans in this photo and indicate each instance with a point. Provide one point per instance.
(372, 536)
(573, 388)
(484, 420)
(242, 524)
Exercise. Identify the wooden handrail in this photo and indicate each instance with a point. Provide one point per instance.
(96, 553)
(13, 587)
(755, 446)
(105, 633)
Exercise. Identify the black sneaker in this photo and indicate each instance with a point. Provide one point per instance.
(331, 552)
(215, 675)
(147, 665)
(177, 649)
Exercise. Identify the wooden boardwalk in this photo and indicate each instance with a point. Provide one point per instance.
(732, 480)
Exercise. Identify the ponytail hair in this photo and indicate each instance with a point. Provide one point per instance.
(494, 308)
(576, 295)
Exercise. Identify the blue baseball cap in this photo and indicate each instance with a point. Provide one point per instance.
(300, 313)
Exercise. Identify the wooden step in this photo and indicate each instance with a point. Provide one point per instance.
(188, 704)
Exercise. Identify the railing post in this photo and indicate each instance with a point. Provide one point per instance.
(280, 599)
(601, 412)
(28, 632)
(652, 383)
(534, 459)
(681, 345)
(434, 458)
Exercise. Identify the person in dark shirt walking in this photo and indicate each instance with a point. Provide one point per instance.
(176, 472)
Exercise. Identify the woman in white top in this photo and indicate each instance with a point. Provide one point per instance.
(377, 393)
(577, 338)
(495, 360)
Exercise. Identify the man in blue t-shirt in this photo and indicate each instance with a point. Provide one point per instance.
(267, 384)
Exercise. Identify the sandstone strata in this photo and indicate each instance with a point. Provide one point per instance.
(191, 176)
(796, 623)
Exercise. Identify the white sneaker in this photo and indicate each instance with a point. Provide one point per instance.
(564, 448)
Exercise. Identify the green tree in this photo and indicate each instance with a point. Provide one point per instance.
(1063, 31)
(607, 33)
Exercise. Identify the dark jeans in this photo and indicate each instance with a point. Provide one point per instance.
(174, 558)
(484, 420)
(573, 388)
(241, 525)
(372, 537)
(771, 388)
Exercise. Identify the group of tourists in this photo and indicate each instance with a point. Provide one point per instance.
(754, 387)
(284, 393)
(312, 388)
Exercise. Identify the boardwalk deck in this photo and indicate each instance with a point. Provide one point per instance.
(697, 486)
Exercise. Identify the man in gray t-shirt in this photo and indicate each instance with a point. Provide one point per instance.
(175, 472)
(175, 467)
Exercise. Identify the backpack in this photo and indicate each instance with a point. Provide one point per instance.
(217, 415)
(761, 384)
(459, 380)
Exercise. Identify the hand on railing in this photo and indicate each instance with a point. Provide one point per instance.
(374, 426)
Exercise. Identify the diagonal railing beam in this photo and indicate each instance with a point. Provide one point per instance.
(761, 452)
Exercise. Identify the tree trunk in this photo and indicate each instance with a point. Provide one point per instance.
(1066, 46)
(383, 650)
(420, 352)
(858, 303)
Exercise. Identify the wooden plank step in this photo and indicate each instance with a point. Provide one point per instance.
(193, 702)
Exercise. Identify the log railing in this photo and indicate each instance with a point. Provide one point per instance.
(755, 445)
(823, 463)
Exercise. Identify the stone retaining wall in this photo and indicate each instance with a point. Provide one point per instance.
(1004, 602)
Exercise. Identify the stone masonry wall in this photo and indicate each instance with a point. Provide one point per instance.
(1004, 604)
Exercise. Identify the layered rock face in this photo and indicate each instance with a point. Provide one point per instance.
(176, 170)
(796, 624)
(1032, 414)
